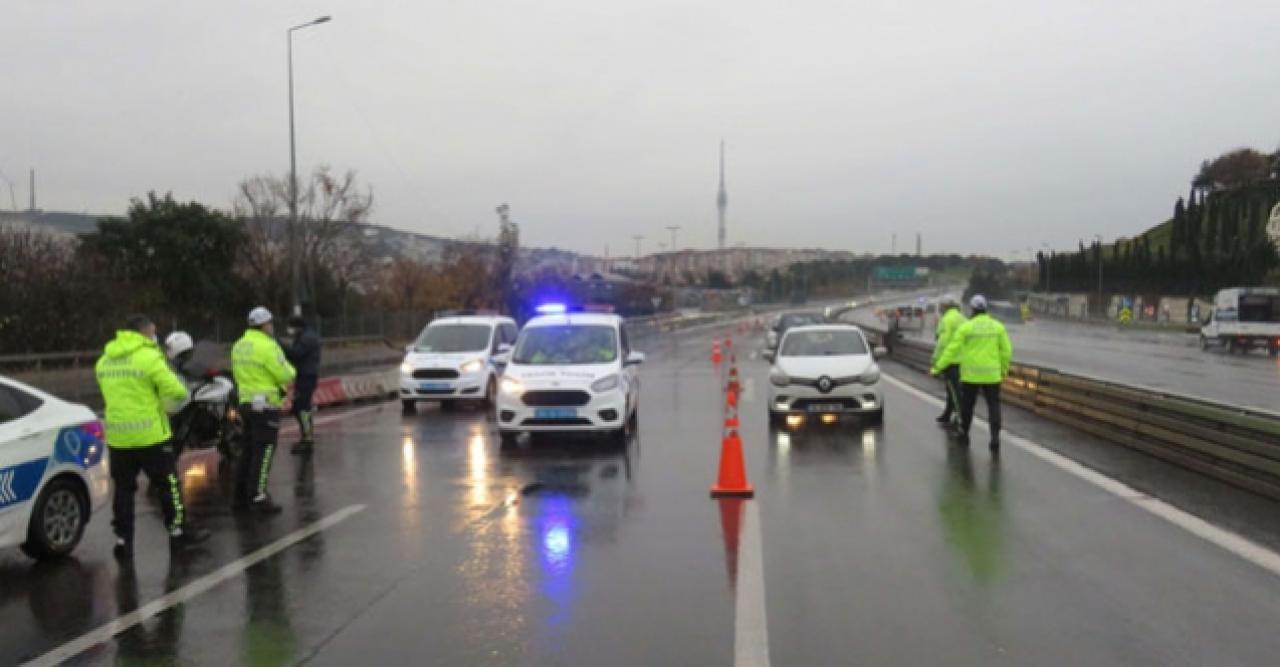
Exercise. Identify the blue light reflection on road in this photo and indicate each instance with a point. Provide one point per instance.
(556, 534)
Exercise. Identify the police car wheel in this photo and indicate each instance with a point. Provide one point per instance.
(408, 407)
(508, 439)
(875, 417)
(58, 520)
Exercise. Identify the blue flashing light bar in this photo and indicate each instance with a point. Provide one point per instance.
(551, 308)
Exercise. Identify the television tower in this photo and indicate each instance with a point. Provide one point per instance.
(722, 199)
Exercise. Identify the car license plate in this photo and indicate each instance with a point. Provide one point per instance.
(825, 407)
(555, 413)
(435, 386)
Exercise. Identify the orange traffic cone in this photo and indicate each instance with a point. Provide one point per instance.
(715, 352)
(730, 411)
(728, 342)
(733, 470)
(734, 386)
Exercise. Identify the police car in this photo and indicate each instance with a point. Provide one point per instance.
(570, 372)
(53, 473)
(453, 360)
(823, 372)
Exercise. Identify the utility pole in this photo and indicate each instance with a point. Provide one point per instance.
(722, 199)
(893, 244)
(638, 238)
(918, 244)
(673, 229)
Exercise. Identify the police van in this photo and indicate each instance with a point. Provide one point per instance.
(452, 360)
(53, 472)
(570, 372)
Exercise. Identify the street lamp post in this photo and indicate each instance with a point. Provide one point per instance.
(293, 175)
(673, 229)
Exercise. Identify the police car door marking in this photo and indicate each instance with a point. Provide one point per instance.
(18, 483)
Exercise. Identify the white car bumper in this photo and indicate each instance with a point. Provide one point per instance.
(466, 386)
(562, 410)
(855, 398)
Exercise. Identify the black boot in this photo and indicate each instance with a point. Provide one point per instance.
(188, 537)
(123, 549)
(263, 506)
(943, 418)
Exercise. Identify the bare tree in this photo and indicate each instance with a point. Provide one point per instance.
(331, 247)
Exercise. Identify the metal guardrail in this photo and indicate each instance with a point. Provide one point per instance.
(1239, 446)
(86, 358)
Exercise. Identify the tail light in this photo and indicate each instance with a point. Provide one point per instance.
(94, 430)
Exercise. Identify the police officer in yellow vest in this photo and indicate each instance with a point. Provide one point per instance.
(950, 321)
(981, 346)
(262, 373)
(140, 392)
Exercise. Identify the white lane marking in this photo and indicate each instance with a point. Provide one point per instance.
(749, 390)
(105, 632)
(292, 427)
(751, 620)
(1237, 544)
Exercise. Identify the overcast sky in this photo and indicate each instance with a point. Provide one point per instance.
(987, 126)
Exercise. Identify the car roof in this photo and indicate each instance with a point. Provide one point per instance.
(823, 327)
(472, 319)
(42, 395)
(562, 319)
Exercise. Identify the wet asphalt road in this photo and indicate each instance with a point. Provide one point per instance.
(881, 546)
(1165, 361)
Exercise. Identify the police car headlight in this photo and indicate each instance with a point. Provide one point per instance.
(606, 383)
(473, 366)
(512, 386)
(406, 368)
(870, 376)
(778, 378)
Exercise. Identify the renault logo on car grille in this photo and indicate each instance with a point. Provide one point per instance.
(824, 384)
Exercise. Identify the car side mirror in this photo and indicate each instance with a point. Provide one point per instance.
(879, 352)
(635, 359)
(503, 357)
(504, 348)
(408, 349)
(769, 356)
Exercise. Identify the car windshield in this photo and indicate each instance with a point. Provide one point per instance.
(453, 338)
(799, 320)
(823, 344)
(567, 344)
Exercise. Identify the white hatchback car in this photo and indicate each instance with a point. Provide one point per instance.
(824, 371)
(453, 360)
(53, 473)
(570, 372)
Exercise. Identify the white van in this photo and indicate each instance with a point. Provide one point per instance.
(453, 360)
(1244, 318)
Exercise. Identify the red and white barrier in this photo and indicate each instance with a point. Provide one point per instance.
(350, 388)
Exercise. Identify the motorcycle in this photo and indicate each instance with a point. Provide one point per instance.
(210, 418)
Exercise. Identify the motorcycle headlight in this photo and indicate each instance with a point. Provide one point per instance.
(406, 368)
(870, 376)
(512, 386)
(778, 378)
(472, 366)
(606, 383)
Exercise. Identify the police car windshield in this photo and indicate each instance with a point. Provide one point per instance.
(823, 344)
(568, 344)
(453, 338)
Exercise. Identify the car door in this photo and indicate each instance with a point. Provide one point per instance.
(26, 443)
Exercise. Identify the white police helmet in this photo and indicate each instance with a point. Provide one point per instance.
(978, 302)
(259, 316)
(177, 343)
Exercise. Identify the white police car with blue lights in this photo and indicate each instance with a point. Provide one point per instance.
(824, 372)
(53, 473)
(570, 372)
(453, 360)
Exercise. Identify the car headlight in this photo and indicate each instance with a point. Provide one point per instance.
(512, 386)
(406, 368)
(778, 378)
(606, 383)
(473, 366)
(870, 376)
